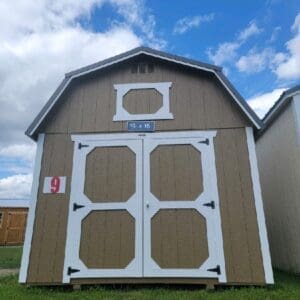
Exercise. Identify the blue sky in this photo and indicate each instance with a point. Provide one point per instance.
(256, 42)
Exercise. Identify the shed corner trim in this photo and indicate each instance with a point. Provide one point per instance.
(264, 243)
(32, 208)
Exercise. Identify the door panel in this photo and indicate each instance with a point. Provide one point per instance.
(113, 166)
(176, 172)
(182, 232)
(178, 238)
(107, 239)
(105, 211)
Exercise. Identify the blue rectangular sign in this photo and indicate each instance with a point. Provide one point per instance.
(141, 126)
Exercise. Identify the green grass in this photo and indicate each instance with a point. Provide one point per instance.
(287, 287)
(10, 257)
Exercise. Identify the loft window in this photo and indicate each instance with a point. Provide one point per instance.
(162, 113)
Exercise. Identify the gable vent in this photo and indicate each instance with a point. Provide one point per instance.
(142, 68)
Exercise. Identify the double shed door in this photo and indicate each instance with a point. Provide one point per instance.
(144, 205)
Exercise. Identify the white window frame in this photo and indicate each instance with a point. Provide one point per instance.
(163, 113)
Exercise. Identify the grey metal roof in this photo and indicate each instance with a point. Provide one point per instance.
(34, 126)
(277, 108)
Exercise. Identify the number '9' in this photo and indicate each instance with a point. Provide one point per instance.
(55, 184)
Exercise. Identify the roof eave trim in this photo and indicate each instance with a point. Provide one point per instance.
(70, 76)
(269, 116)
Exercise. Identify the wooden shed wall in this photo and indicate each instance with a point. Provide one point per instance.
(243, 256)
(279, 164)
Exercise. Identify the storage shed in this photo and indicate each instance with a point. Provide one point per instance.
(13, 216)
(146, 173)
(278, 151)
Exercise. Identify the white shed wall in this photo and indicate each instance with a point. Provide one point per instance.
(278, 153)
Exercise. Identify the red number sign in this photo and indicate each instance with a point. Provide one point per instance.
(55, 184)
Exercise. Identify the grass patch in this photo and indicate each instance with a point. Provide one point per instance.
(287, 287)
(10, 257)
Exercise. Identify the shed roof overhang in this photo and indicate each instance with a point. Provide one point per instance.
(278, 107)
(69, 77)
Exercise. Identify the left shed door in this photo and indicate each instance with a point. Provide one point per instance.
(105, 222)
(16, 225)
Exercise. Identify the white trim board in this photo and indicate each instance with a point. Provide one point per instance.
(32, 208)
(264, 243)
(32, 131)
(296, 109)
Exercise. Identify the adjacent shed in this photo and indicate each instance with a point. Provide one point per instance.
(13, 216)
(278, 151)
(146, 173)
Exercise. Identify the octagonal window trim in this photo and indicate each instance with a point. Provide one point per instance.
(162, 113)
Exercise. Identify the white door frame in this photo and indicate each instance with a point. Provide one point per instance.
(216, 258)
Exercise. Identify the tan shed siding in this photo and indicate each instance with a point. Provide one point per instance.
(49, 234)
(243, 258)
(240, 232)
(279, 164)
(197, 101)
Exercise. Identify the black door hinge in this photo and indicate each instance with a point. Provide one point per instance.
(216, 269)
(210, 204)
(77, 206)
(82, 146)
(206, 141)
(71, 270)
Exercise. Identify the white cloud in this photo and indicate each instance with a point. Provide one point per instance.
(227, 51)
(185, 24)
(137, 15)
(263, 102)
(249, 31)
(15, 187)
(39, 42)
(289, 68)
(256, 61)
(19, 151)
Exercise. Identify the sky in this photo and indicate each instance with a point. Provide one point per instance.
(256, 42)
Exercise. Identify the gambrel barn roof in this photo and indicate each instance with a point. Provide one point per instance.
(217, 71)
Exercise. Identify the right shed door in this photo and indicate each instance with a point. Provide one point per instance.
(182, 228)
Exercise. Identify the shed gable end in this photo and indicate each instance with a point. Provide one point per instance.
(197, 101)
